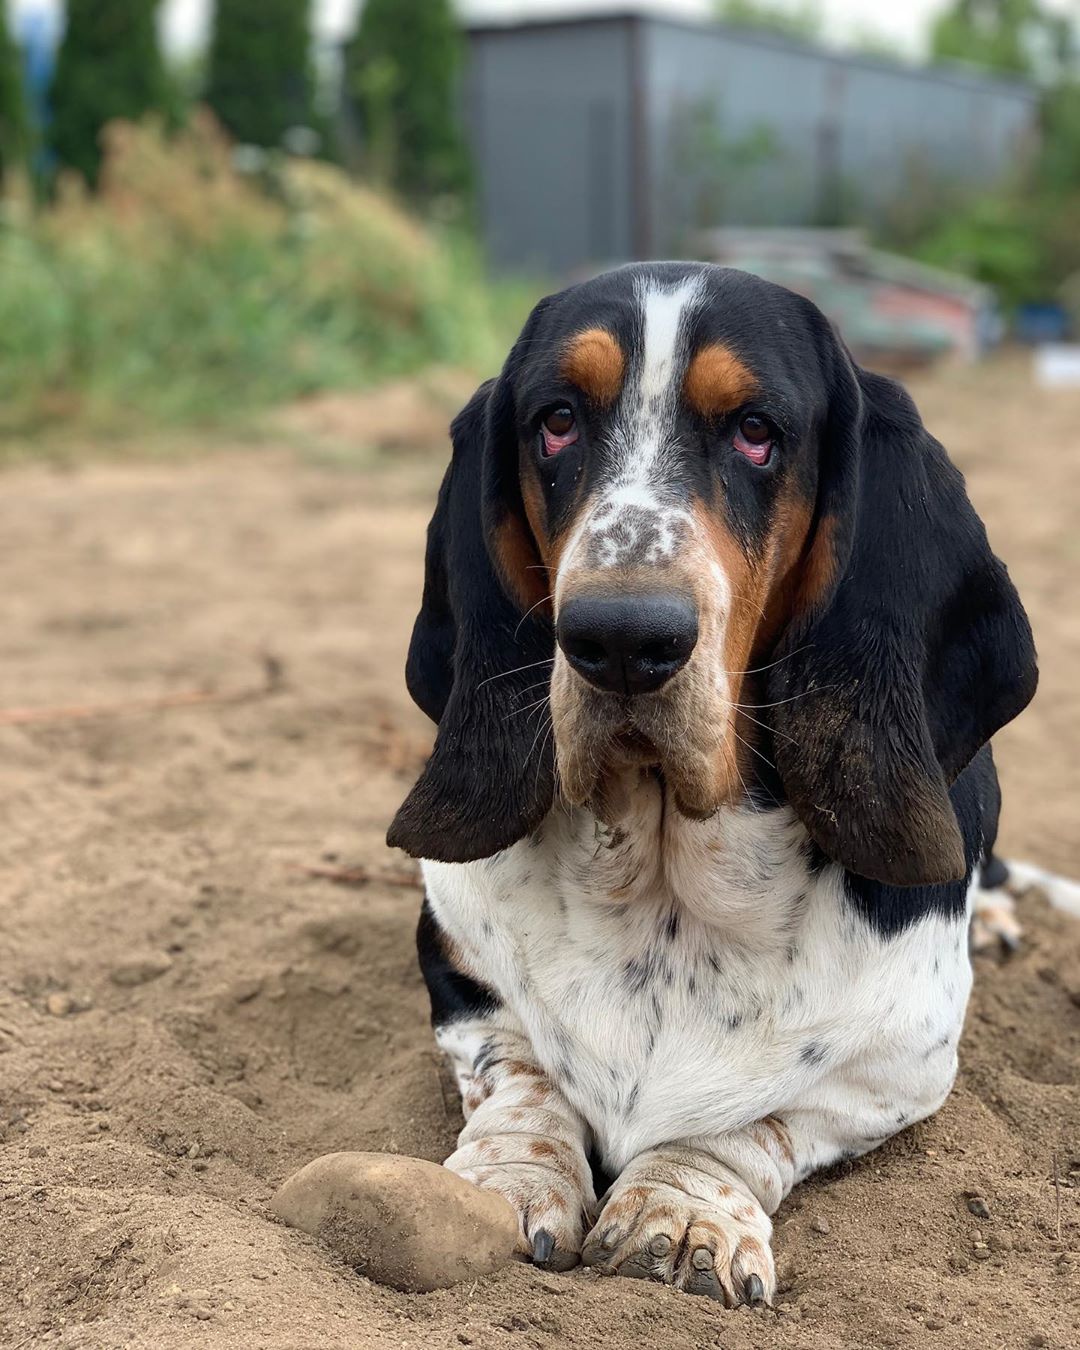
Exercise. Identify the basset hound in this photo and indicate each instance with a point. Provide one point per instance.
(716, 644)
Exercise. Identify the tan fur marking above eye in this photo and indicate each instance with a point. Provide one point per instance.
(594, 362)
(717, 381)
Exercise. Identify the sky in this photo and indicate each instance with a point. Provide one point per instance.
(903, 22)
(184, 22)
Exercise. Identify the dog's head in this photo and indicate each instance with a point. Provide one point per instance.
(683, 515)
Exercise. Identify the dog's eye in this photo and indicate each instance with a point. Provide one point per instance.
(559, 429)
(754, 439)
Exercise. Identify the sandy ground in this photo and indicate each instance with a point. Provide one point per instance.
(186, 1016)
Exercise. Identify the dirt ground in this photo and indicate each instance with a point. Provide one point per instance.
(186, 1015)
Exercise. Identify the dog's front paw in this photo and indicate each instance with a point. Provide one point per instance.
(546, 1180)
(718, 1247)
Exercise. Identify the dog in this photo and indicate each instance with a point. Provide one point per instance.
(716, 645)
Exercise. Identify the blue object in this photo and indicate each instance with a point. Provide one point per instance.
(1040, 322)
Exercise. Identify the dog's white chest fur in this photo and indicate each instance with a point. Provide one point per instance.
(679, 979)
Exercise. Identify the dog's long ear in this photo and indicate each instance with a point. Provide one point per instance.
(912, 653)
(481, 649)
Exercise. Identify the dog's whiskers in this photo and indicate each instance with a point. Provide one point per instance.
(504, 674)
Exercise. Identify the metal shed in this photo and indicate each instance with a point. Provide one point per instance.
(601, 139)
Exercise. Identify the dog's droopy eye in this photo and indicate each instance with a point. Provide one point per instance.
(559, 429)
(754, 439)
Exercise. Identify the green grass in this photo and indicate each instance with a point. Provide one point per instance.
(184, 293)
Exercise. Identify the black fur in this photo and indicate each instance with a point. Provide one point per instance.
(453, 994)
(473, 659)
(920, 652)
(975, 799)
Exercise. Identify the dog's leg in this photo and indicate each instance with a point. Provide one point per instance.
(522, 1138)
(993, 912)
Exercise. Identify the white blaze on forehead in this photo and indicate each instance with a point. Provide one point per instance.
(664, 314)
(632, 520)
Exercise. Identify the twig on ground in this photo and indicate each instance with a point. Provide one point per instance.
(360, 875)
(183, 698)
(1057, 1198)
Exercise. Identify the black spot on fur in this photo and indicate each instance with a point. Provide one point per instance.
(454, 995)
(813, 1052)
(637, 975)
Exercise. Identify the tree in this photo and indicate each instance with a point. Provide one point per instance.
(260, 81)
(109, 66)
(403, 73)
(13, 120)
(1003, 35)
(803, 21)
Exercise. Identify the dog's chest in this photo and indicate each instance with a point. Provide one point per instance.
(692, 989)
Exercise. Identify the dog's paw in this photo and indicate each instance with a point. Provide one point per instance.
(993, 921)
(547, 1182)
(717, 1247)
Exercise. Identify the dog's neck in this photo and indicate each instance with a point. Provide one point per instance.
(741, 865)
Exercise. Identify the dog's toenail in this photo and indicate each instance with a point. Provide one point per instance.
(702, 1258)
(755, 1290)
(610, 1239)
(660, 1245)
(543, 1245)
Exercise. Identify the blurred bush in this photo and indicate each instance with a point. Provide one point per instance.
(1024, 237)
(182, 289)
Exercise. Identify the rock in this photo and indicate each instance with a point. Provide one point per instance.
(403, 1222)
(140, 970)
(820, 1224)
(978, 1206)
(59, 1005)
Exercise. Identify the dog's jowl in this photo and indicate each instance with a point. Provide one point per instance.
(716, 645)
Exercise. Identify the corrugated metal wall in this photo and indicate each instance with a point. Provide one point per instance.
(607, 139)
(813, 137)
(548, 113)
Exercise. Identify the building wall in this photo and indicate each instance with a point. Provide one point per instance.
(608, 139)
(548, 116)
(747, 129)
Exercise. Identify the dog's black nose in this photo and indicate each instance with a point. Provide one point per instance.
(627, 645)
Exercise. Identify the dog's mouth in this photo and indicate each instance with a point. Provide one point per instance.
(604, 745)
(634, 749)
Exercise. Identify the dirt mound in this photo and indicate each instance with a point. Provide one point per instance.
(187, 1015)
